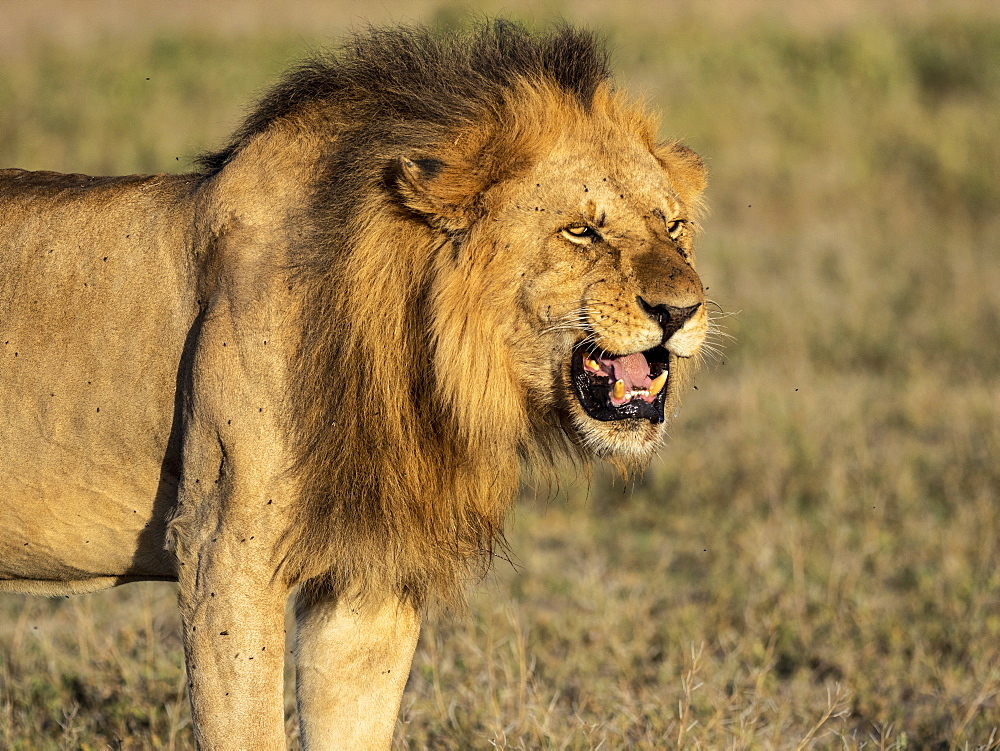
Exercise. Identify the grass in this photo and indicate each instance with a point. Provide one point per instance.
(814, 562)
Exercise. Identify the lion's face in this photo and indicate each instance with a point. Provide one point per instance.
(610, 312)
(567, 282)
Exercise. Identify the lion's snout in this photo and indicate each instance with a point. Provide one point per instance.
(669, 317)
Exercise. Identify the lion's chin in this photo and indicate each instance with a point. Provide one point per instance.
(630, 442)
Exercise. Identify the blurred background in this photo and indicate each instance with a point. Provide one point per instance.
(813, 559)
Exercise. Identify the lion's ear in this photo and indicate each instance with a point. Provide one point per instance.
(428, 187)
(686, 170)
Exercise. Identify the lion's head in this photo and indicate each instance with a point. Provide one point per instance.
(572, 276)
(580, 254)
(494, 265)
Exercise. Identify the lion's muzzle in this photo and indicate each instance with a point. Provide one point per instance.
(631, 386)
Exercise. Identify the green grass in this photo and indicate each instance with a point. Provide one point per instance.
(814, 561)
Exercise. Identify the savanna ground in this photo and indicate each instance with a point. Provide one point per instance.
(814, 561)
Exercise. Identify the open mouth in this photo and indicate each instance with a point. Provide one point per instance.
(621, 387)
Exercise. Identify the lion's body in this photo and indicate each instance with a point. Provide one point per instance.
(320, 363)
(96, 286)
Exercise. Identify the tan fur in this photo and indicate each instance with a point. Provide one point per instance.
(320, 364)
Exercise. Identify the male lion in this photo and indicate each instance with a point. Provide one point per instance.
(317, 364)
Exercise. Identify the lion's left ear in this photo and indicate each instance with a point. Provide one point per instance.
(686, 170)
(436, 190)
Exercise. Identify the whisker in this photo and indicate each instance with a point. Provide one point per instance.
(721, 335)
(722, 310)
(575, 319)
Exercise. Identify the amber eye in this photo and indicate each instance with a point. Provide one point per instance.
(580, 233)
(675, 228)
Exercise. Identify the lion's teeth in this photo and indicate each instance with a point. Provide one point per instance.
(619, 390)
(592, 364)
(656, 385)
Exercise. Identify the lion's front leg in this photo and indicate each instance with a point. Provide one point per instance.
(352, 665)
(234, 643)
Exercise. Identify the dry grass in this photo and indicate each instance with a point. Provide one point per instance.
(814, 562)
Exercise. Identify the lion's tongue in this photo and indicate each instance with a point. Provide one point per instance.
(633, 371)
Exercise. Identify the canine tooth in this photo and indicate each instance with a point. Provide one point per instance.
(656, 385)
(619, 390)
(592, 364)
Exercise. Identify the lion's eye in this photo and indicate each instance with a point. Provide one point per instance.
(580, 233)
(675, 228)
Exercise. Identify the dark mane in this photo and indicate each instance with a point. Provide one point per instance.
(415, 75)
(399, 491)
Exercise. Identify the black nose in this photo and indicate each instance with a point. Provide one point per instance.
(669, 317)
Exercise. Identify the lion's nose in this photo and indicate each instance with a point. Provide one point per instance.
(669, 317)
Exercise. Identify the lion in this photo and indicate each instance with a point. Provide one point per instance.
(317, 366)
